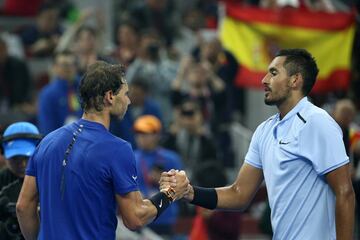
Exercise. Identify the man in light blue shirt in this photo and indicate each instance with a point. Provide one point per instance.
(299, 153)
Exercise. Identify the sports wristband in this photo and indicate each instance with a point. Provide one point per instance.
(205, 197)
(161, 201)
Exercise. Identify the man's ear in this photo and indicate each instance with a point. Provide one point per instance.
(109, 97)
(296, 81)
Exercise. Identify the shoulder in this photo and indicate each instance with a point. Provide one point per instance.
(169, 154)
(316, 117)
(150, 103)
(267, 123)
(316, 121)
(50, 89)
(58, 135)
(111, 144)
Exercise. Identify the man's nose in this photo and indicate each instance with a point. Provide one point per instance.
(265, 79)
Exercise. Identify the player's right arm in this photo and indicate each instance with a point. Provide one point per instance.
(136, 212)
(236, 196)
(239, 194)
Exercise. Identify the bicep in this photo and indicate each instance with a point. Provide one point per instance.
(339, 180)
(239, 194)
(29, 194)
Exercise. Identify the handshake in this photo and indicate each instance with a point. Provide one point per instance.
(176, 185)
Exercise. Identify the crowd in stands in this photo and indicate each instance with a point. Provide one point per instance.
(181, 84)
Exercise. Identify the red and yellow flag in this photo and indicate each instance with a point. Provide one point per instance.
(254, 35)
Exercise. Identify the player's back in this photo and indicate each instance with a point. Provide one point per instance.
(77, 201)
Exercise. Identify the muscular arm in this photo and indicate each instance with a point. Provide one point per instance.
(340, 182)
(239, 194)
(135, 211)
(26, 209)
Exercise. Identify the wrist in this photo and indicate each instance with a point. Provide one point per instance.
(170, 193)
(205, 197)
(190, 195)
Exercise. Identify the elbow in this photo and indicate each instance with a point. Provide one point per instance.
(134, 225)
(20, 208)
(346, 193)
(135, 221)
(242, 201)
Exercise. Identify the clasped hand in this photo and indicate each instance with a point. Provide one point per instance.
(176, 180)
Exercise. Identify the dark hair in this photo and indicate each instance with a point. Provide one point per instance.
(62, 53)
(85, 28)
(141, 83)
(99, 78)
(47, 6)
(300, 61)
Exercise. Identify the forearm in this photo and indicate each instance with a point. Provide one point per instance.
(146, 212)
(29, 223)
(231, 197)
(226, 198)
(136, 212)
(345, 208)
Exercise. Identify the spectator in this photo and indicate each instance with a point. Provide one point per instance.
(151, 161)
(189, 33)
(197, 82)
(18, 143)
(85, 39)
(189, 137)
(156, 69)
(141, 104)
(58, 104)
(156, 14)
(127, 38)
(344, 114)
(16, 84)
(41, 38)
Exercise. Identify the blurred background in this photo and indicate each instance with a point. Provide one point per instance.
(194, 70)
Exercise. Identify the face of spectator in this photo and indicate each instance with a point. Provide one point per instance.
(150, 47)
(194, 20)
(126, 35)
(137, 95)
(190, 118)
(17, 165)
(277, 83)
(65, 67)
(147, 141)
(121, 101)
(344, 112)
(86, 41)
(210, 50)
(48, 20)
(197, 76)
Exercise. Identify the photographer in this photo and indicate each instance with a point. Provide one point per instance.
(18, 144)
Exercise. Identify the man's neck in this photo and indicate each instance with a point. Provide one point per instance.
(99, 117)
(288, 105)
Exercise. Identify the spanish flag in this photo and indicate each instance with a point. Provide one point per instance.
(254, 35)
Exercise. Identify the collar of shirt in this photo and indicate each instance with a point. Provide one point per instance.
(298, 107)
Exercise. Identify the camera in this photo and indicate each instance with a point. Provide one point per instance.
(9, 226)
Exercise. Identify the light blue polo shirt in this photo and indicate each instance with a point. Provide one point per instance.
(295, 154)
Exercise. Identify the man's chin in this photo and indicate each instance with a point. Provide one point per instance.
(269, 102)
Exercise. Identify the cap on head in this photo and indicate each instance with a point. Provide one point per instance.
(147, 124)
(22, 146)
